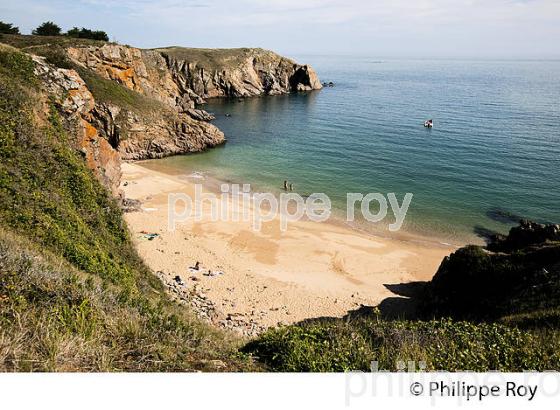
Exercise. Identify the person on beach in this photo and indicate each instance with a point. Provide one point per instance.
(291, 187)
(285, 185)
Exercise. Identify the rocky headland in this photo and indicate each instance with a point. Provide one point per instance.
(125, 103)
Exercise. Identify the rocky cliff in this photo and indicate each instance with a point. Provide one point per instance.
(183, 77)
(66, 89)
(126, 103)
(241, 72)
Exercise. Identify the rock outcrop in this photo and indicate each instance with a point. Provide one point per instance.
(153, 134)
(67, 89)
(517, 273)
(183, 77)
(245, 72)
(129, 104)
(526, 234)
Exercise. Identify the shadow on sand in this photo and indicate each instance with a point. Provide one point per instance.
(402, 306)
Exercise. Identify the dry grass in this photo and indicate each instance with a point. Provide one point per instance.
(56, 318)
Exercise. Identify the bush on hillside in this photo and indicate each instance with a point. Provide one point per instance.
(87, 33)
(48, 28)
(8, 28)
(441, 345)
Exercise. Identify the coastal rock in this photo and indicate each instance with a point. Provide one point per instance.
(526, 234)
(521, 269)
(243, 72)
(162, 137)
(182, 77)
(200, 115)
(69, 92)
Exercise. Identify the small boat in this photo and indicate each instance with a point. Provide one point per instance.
(429, 123)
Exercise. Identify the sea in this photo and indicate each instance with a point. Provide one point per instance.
(491, 158)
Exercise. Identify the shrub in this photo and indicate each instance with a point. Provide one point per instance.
(86, 33)
(48, 28)
(8, 28)
(443, 345)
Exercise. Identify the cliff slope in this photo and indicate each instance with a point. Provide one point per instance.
(74, 295)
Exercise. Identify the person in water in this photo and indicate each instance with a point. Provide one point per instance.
(291, 187)
(285, 185)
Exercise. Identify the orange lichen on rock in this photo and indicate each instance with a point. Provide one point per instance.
(125, 77)
(100, 156)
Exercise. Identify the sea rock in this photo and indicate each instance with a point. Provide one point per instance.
(526, 234)
(200, 115)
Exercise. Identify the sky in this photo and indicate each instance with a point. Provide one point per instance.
(382, 28)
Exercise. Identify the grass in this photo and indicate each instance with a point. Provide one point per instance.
(220, 58)
(74, 295)
(46, 191)
(29, 42)
(54, 317)
(438, 345)
(107, 91)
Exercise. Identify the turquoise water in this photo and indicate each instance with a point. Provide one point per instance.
(492, 156)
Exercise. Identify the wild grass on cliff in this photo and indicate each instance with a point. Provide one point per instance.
(74, 295)
(29, 42)
(54, 317)
(440, 345)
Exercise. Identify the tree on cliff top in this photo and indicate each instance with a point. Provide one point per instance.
(48, 28)
(86, 33)
(8, 28)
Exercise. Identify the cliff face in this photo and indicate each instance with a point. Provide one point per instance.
(178, 79)
(69, 92)
(242, 72)
(183, 77)
(129, 104)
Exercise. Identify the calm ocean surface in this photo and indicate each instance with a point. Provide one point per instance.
(492, 156)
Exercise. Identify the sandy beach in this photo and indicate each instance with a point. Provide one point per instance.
(254, 280)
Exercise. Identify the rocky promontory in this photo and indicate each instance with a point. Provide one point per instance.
(125, 103)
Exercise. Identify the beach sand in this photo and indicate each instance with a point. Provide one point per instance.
(269, 277)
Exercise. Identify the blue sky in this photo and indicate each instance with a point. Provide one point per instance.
(384, 28)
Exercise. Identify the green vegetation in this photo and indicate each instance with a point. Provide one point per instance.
(8, 28)
(107, 91)
(33, 43)
(524, 280)
(87, 33)
(74, 295)
(213, 58)
(47, 192)
(338, 345)
(48, 28)
(54, 317)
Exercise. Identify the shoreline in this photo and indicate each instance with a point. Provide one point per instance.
(249, 280)
(212, 184)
